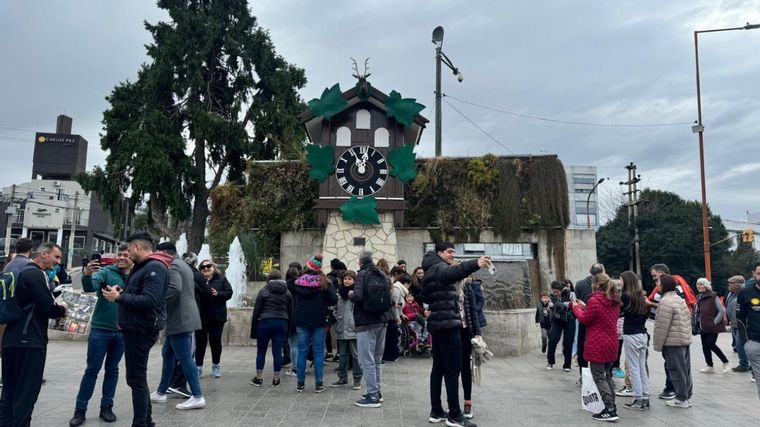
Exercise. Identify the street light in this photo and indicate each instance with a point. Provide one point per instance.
(440, 57)
(588, 201)
(699, 129)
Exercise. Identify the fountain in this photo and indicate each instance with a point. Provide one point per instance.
(205, 253)
(181, 244)
(235, 273)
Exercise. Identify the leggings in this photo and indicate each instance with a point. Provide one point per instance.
(466, 364)
(211, 334)
(709, 347)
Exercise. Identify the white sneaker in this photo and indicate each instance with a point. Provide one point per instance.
(157, 397)
(726, 368)
(192, 403)
(707, 370)
(549, 366)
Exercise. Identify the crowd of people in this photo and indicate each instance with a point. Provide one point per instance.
(600, 319)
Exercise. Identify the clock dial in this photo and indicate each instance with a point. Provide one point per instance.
(361, 171)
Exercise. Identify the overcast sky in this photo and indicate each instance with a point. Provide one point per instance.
(603, 62)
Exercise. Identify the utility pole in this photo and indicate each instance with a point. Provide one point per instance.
(9, 210)
(72, 233)
(633, 217)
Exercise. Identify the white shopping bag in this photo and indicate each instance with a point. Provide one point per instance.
(591, 400)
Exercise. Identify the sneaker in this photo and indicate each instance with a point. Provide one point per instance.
(380, 396)
(300, 387)
(645, 403)
(275, 382)
(459, 422)
(291, 372)
(636, 405)
(157, 397)
(78, 418)
(675, 403)
(707, 370)
(618, 373)
(725, 367)
(339, 383)
(357, 385)
(192, 403)
(624, 392)
(106, 414)
(368, 401)
(579, 383)
(329, 356)
(740, 368)
(606, 415)
(437, 417)
(566, 369)
(258, 382)
(667, 395)
(182, 391)
(468, 413)
(319, 388)
(550, 366)
(216, 371)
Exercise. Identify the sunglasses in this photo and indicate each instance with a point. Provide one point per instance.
(206, 266)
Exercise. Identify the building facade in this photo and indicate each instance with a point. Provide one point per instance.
(584, 209)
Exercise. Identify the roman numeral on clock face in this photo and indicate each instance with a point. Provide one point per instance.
(383, 171)
(361, 192)
(340, 170)
(380, 182)
(342, 181)
(350, 188)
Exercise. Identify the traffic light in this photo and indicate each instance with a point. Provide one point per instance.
(748, 235)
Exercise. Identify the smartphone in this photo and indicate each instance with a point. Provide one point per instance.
(572, 296)
(95, 257)
(491, 268)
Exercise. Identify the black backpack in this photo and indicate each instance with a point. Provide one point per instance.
(377, 298)
(10, 311)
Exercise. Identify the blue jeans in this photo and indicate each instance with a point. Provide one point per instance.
(743, 361)
(315, 336)
(102, 344)
(179, 347)
(293, 341)
(275, 330)
(370, 345)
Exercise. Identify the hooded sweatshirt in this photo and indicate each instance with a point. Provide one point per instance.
(311, 301)
(273, 302)
(600, 318)
(142, 305)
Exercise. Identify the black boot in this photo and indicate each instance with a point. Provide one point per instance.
(106, 414)
(78, 418)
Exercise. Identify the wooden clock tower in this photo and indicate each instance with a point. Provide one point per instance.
(362, 135)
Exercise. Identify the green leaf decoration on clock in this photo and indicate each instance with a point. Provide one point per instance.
(363, 211)
(320, 161)
(402, 162)
(402, 109)
(329, 104)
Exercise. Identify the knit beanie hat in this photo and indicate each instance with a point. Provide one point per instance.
(315, 263)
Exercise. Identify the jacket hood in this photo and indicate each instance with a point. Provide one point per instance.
(163, 257)
(278, 287)
(602, 297)
(431, 258)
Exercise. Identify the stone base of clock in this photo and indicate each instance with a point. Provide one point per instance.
(340, 238)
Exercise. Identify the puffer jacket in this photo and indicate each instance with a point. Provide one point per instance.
(712, 315)
(142, 305)
(439, 292)
(212, 308)
(600, 318)
(311, 302)
(273, 302)
(345, 329)
(672, 326)
(470, 312)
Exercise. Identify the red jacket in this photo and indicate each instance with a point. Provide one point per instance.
(600, 318)
(682, 289)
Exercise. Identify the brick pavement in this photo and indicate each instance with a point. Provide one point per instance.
(515, 391)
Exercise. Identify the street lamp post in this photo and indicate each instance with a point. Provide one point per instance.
(440, 58)
(588, 202)
(699, 130)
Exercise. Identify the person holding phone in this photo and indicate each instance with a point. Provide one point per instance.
(105, 340)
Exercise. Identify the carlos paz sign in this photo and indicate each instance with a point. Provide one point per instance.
(43, 216)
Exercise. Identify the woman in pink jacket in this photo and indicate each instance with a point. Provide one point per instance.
(600, 317)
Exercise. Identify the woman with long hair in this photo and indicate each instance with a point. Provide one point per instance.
(712, 320)
(470, 329)
(635, 339)
(416, 287)
(211, 293)
(271, 315)
(313, 293)
(600, 317)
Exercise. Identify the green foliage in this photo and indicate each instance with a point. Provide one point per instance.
(329, 104)
(483, 172)
(363, 211)
(402, 109)
(402, 162)
(738, 261)
(670, 231)
(213, 74)
(321, 161)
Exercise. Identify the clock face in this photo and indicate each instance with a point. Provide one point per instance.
(361, 171)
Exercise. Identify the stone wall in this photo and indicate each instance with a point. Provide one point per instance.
(378, 239)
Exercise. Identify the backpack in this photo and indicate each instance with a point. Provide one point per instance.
(10, 311)
(377, 298)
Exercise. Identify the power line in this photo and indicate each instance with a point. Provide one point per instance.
(478, 127)
(567, 122)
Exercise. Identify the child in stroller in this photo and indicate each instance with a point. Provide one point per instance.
(415, 337)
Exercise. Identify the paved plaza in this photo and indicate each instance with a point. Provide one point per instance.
(515, 391)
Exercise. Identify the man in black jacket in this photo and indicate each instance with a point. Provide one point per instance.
(25, 341)
(142, 313)
(583, 293)
(444, 323)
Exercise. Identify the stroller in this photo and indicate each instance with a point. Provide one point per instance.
(410, 343)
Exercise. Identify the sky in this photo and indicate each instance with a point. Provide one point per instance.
(581, 61)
